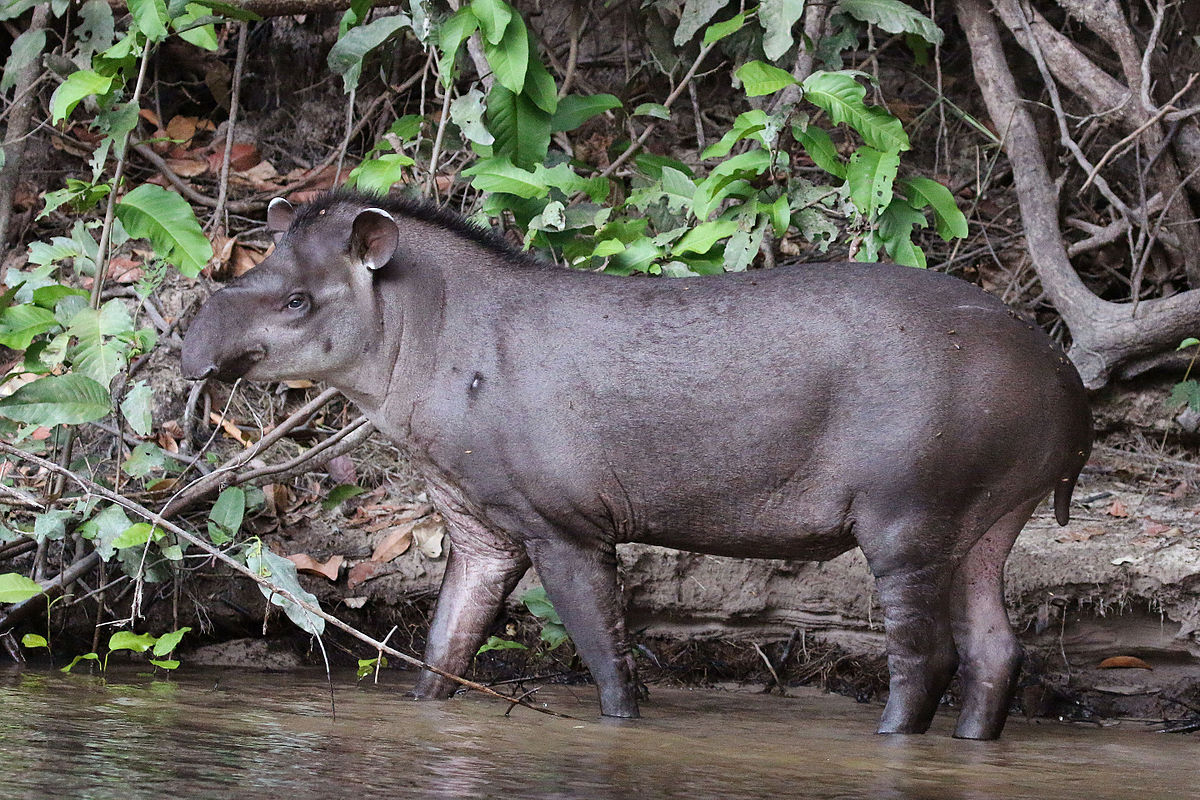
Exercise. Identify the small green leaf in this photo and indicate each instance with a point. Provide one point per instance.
(145, 459)
(948, 219)
(522, 130)
(777, 18)
(701, 238)
(870, 178)
(77, 659)
(574, 110)
(820, 149)
(554, 634)
(656, 110)
(128, 640)
(77, 86)
(467, 113)
(154, 213)
(26, 50)
(19, 324)
(225, 518)
(1185, 393)
(340, 494)
(841, 96)
(135, 535)
(496, 643)
(379, 174)
(893, 16)
(493, 16)
(1189, 342)
(136, 408)
(895, 230)
(32, 640)
(719, 30)
(167, 664)
(498, 174)
(759, 78)
(150, 17)
(748, 125)
(169, 641)
(509, 58)
(346, 56)
(367, 665)
(451, 34)
(282, 573)
(16, 588)
(696, 14)
(540, 87)
(539, 605)
(57, 400)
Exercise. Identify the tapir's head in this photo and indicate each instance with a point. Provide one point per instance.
(308, 310)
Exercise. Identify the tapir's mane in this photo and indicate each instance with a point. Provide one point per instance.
(410, 208)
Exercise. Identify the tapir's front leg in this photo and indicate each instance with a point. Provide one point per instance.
(480, 572)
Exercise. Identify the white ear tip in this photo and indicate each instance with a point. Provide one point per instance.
(378, 211)
(278, 202)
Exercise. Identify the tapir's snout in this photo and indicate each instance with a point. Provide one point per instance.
(214, 347)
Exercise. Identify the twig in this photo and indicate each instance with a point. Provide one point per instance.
(771, 668)
(234, 94)
(159, 520)
(341, 153)
(431, 181)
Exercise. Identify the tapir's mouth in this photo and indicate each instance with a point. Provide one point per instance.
(229, 370)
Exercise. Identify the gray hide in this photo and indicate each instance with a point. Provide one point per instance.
(786, 413)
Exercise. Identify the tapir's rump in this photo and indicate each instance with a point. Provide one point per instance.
(787, 413)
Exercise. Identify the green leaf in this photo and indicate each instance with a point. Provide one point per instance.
(721, 180)
(554, 634)
(498, 174)
(57, 400)
(135, 535)
(841, 96)
(195, 27)
(539, 605)
(168, 642)
(77, 86)
(151, 212)
(948, 219)
(493, 16)
(820, 149)
(540, 87)
(895, 230)
(145, 459)
(467, 113)
(16, 588)
(701, 238)
(759, 78)
(496, 643)
(870, 178)
(150, 17)
(777, 18)
(747, 125)
(229, 10)
(51, 525)
(105, 528)
(346, 56)
(742, 247)
(696, 14)
(780, 214)
(656, 110)
(77, 659)
(367, 665)
(26, 50)
(340, 494)
(574, 110)
(128, 640)
(32, 640)
(509, 58)
(225, 518)
(522, 130)
(282, 572)
(1185, 393)
(167, 664)
(718, 31)
(379, 174)
(452, 33)
(101, 350)
(136, 408)
(893, 16)
(1188, 342)
(19, 324)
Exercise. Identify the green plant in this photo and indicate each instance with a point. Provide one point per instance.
(1187, 391)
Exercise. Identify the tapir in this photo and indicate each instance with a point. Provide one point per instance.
(790, 413)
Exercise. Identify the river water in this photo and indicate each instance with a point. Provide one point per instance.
(215, 734)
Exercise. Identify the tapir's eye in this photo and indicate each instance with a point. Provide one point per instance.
(297, 302)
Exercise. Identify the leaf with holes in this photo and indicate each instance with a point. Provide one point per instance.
(26, 49)
(282, 573)
(948, 219)
(895, 230)
(380, 174)
(870, 178)
(893, 16)
(467, 113)
(696, 14)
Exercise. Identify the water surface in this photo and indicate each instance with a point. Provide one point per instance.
(217, 733)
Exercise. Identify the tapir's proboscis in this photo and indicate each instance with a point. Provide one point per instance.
(790, 413)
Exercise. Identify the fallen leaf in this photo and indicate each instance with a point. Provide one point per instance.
(231, 430)
(361, 573)
(395, 544)
(428, 534)
(303, 384)
(1123, 662)
(187, 167)
(122, 269)
(173, 428)
(163, 485)
(40, 434)
(1152, 527)
(277, 497)
(354, 602)
(181, 128)
(306, 563)
(1117, 509)
(247, 257)
(167, 441)
(262, 176)
(149, 115)
(341, 469)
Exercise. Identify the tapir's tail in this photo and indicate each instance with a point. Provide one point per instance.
(1066, 485)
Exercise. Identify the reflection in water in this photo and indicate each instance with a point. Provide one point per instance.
(212, 733)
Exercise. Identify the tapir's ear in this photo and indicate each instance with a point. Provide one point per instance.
(374, 237)
(279, 215)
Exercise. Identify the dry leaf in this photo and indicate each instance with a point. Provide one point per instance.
(187, 167)
(428, 534)
(122, 269)
(262, 176)
(341, 469)
(247, 257)
(163, 485)
(148, 115)
(40, 434)
(277, 497)
(173, 427)
(231, 430)
(182, 128)
(167, 441)
(1117, 509)
(360, 573)
(395, 544)
(306, 563)
(1152, 527)
(303, 384)
(1124, 662)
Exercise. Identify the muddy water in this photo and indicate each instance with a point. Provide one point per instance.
(212, 733)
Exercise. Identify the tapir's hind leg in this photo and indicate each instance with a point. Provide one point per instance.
(991, 655)
(581, 582)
